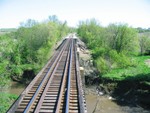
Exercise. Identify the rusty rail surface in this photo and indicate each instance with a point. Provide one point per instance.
(58, 86)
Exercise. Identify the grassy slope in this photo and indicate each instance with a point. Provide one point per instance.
(140, 71)
(6, 100)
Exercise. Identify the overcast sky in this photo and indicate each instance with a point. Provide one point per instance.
(134, 12)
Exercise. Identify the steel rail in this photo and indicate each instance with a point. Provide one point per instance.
(69, 80)
(62, 88)
(40, 75)
(58, 87)
(46, 88)
(41, 84)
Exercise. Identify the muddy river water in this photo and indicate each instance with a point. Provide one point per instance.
(107, 104)
(102, 104)
(16, 88)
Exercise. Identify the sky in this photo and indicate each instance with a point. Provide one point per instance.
(135, 13)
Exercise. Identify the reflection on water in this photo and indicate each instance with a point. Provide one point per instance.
(16, 88)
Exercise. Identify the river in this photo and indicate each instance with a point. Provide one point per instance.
(107, 104)
(102, 104)
(16, 88)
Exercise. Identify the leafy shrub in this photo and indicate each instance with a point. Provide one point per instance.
(113, 55)
(102, 65)
(96, 52)
(112, 47)
(121, 59)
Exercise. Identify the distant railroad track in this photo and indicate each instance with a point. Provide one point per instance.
(58, 86)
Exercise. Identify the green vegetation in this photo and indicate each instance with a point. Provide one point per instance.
(29, 47)
(144, 42)
(5, 101)
(25, 51)
(141, 69)
(117, 50)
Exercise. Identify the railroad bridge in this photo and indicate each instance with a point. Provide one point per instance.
(57, 88)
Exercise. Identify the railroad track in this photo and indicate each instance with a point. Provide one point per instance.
(58, 86)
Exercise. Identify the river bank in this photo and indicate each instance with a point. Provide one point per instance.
(106, 103)
(122, 90)
(9, 94)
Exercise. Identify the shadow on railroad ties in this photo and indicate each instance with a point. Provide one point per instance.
(133, 93)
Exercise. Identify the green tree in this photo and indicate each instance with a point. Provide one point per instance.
(111, 46)
(144, 43)
(122, 38)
